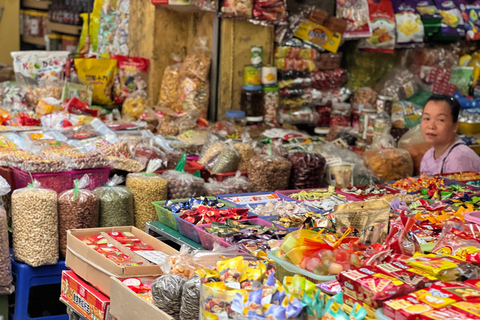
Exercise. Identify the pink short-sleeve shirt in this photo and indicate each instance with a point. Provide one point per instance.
(461, 158)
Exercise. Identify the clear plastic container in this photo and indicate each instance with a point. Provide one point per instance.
(271, 103)
(236, 117)
(252, 103)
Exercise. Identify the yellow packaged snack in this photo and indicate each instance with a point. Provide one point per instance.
(99, 73)
(46, 106)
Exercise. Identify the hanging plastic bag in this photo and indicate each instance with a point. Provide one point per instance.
(170, 81)
(355, 12)
(106, 31)
(94, 26)
(132, 75)
(35, 208)
(122, 21)
(410, 30)
(116, 203)
(99, 73)
(236, 9)
(5, 264)
(146, 188)
(77, 209)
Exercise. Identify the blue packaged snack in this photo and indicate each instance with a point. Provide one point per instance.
(452, 20)
(273, 311)
(169, 204)
(176, 207)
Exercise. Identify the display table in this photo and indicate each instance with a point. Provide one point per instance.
(166, 233)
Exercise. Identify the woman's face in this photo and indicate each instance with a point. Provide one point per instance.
(437, 125)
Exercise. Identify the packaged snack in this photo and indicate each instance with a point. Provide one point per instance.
(34, 208)
(106, 31)
(389, 164)
(211, 150)
(170, 81)
(318, 35)
(269, 12)
(122, 19)
(308, 170)
(340, 175)
(410, 29)
(355, 12)
(382, 23)
(470, 11)
(444, 268)
(5, 264)
(77, 209)
(146, 188)
(99, 73)
(116, 204)
(269, 173)
(136, 103)
(234, 9)
(32, 66)
(167, 293)
(132, 73)
(452, 20)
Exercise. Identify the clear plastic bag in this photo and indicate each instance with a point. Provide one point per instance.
(77, 209)
(308, 170)
(190, 307)
(147, 188)
(276, 149)
(213, 150)
(269, 173)
(169, 88)
(389, 164)
(136, 103)
(167, 293)
(5, 264)
(355, 12)
(116, 204)
(247, 151)
(228, 160)
(214, 188)
(399, 84)
(415, 144)
(211, 139)
(237, 184)
(35, 225)
(146, 149)
(197, 62)
(183, 185)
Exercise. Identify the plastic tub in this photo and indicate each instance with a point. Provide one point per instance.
(166, 216)
(207, 240)
(240, 200)
(287, 193)
(380, 316)
(285, 269)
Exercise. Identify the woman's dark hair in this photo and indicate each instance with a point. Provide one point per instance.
(451, 101)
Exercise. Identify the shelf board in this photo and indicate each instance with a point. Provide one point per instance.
(36, 4)
(64, 28)
(39, 41)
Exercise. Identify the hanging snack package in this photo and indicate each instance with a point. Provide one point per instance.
(269, 173)
(470, 12)
(99, 73)
(197, 62)
(77, 209)
(170, 81)
(122, 21)
(236, 9)
(410, 30)
(116, 203)
(5, 264)
(132, 74)
(369, 220)
(35, 208)
(452, 20)
(92, 28)
(32, 66)
(269, 12)
(382, 22)
(355, 12)
(146, 188)
(106, 31)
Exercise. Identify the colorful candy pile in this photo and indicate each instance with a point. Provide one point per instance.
(425, 181)
(205, 214)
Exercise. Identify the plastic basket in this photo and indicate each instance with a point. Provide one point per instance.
(284, 268)
(97, 176)
(240, 200)
(363, 197)
(207, 240)
(222, 176)
(168, 218)
(287, 193)
(7, 174)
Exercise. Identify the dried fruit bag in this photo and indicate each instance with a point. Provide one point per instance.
(383, 27)
(99, 73)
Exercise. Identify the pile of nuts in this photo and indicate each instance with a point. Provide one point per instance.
(35, 227)
(183, 185)
(269, 173)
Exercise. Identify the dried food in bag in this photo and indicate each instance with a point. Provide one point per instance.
(116, 203)
(237, 184)
(410, 30)
(170, 81)
(5, 264)
(190, 307)
(382, 22)
(32, 66)
(276, 149)
(132, 74)
(227, 160)
(146, 188)
(355, 12)
(269, 173)
(214, 188)
(197, 62)
(236, 9)
(389, 164)
(308, 170)
(268, 12)
(247, 151)
(167, 293)
(194, 94)
(136, 103)
(77, 209)
(99, 73)
(183, 185)
(35, 208)
(470, 11)
(213, 150)
(452, 19)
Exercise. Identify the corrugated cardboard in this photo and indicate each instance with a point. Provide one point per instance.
(94, 268)
(127, 305)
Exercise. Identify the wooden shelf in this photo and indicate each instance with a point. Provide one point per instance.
(39, 41)
(64, 28)
(36, 4)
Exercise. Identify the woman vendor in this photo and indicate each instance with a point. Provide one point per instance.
(439, 128)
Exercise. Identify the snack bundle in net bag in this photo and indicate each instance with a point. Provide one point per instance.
(5, 264)
(116, 203)
(269, 173)
(146, 188)
(77, 209)
(35, 208)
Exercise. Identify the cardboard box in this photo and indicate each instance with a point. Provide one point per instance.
(85, 299)
(96, 269)
(127, 305)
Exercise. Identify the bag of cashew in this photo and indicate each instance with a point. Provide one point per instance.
(35, 225)
(5, 265)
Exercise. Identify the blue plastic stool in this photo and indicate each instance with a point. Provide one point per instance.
(26, 277)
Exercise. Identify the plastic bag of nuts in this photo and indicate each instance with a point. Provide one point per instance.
(183, 185)
(211, 139)
(5, 265)
(269, 173)
(77, 209)
(247, 151)
(35, 225)
(116, 204)
(227, 160)
(213, 150)
(146, 188)
(167, 293)
(213, 188)
(237, 184)
(308, 170)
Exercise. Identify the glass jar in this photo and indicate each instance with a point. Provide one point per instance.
(35, 23)
(55, 41)
(252, 103)
(236, 117)
(69, 43)
(366, 126)
(271, 103)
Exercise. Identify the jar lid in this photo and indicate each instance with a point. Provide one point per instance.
(271, 89)
(252, 88)
(255, 119)
(235, 114)
(321, 131)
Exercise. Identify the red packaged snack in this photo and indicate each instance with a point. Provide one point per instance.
(459, 245)
(400, 239)
(405, 308)
(446, 313)
(415, 278)
(468, 308)
(132, 74)
(107, 250)
(142, 247)
(382, 21)
(77, 106)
